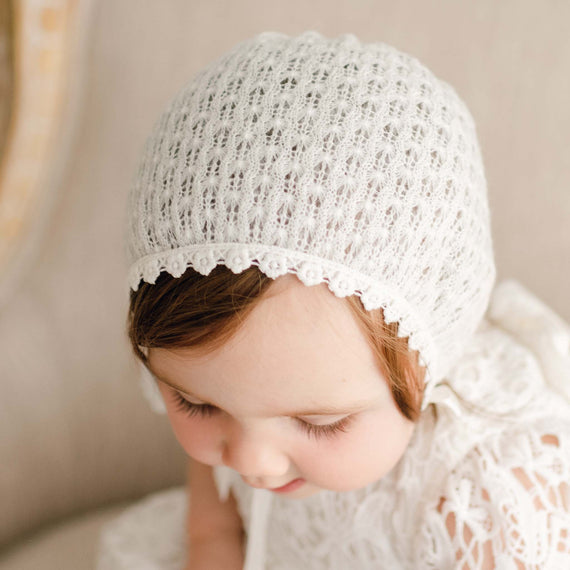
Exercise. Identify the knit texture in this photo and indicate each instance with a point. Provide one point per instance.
(342, 162)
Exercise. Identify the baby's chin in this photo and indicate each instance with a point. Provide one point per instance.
(309, 489)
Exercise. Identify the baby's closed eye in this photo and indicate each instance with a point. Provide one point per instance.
(312, 426)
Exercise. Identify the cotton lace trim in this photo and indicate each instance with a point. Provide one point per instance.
(274, 261)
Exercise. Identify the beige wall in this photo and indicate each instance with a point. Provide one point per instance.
(74, 430)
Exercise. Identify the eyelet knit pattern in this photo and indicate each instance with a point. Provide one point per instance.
(343, 162)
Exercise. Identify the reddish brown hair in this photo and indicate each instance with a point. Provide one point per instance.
(203, 312)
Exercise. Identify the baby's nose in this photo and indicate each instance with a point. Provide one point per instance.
(254, 455)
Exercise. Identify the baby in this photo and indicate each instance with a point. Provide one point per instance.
(313, 295)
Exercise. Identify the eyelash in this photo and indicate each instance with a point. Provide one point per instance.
(312, 430)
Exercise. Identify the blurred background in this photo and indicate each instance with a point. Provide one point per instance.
(81, 83)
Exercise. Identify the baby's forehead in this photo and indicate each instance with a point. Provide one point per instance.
(247, 383)
(292, 297)
(308, 324)
(291, 284)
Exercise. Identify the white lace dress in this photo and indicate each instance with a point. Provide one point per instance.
(472, 488)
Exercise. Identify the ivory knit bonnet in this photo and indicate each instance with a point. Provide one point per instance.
(343, 162)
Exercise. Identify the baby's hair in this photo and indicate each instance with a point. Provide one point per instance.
(203, 312)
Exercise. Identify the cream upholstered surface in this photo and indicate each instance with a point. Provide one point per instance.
(75, 432)
(71, 544)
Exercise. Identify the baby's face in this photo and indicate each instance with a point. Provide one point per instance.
(296, 394)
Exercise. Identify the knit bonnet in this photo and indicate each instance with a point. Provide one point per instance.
(343, 162)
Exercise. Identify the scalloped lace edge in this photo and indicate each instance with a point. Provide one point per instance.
(275, 261)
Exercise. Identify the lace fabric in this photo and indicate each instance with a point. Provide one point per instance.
(149, 535)
(473, 490)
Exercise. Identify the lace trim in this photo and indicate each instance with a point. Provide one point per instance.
(275, 261)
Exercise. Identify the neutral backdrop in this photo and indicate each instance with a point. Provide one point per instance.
(75, 432)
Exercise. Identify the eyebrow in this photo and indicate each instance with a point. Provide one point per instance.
(322, 411)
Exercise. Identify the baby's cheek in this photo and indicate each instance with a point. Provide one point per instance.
(357, 458)
(341, 465)
(195, 437)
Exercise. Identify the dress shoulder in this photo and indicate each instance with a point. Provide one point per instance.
(538, 327)
(505, 505)
(502, 499)
(519, 354)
